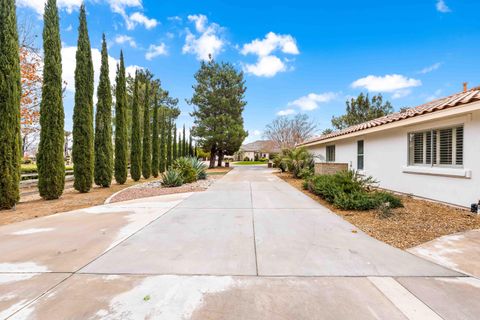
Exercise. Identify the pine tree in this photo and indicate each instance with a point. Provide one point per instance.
(103, 125)
(121, 143)
(162, 142)
(10, 92)
(136, 143)
(169, 143)
(147, 142)
(50, 158)
(82, 149)
(155, 140)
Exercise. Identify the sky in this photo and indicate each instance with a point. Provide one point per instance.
(297, 56)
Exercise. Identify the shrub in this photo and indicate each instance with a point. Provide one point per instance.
(172, 178)
(200, 168)
(185, 167)
(348, 190)
(263, 159)
(246, 159)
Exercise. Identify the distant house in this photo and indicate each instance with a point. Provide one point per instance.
(431, 151)
(256, 150)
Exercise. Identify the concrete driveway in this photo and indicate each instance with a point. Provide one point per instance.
(250, 247)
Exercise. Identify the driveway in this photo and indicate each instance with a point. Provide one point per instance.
(250, 247)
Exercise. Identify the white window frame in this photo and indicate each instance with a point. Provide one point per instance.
(361, 154)
(410, 159)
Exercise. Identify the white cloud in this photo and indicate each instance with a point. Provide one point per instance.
(437, 94)
(39, 5)
(121, 39)
(155, 51)
(442, 6)
(401, 93)
(206, 42)
(393, 83)
(69, 28)
(312, 100)
(431, 68)
(286, 112)
(268, 64)
(139, 18)
(272, 42)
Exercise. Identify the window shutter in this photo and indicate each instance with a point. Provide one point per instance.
(459, 146)
(446, 146)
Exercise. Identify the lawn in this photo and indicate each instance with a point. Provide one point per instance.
(249, 163)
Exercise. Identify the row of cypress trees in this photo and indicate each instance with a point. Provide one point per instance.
(94, 158)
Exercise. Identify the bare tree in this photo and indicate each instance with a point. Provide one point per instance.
(288, 132)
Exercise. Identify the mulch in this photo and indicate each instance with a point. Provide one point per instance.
(418, 222)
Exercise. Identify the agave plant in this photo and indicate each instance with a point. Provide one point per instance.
(172, 178)
(200, 168)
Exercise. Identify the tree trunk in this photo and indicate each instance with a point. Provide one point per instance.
(213, 151)
(220, 159)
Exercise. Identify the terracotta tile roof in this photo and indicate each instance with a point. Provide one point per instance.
(454, 100)
(266, 146)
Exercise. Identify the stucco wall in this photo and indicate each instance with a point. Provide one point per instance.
(386, 159)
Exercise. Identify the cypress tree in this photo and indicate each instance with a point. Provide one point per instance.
(103, 125)
(147, 142)
(174, 143)
(136, 143)
(155, 140)
(190, 147)
(184, 143)
(50, 159)
(121, 144)
(82, 149)
(169, 143)
(10, 92)
(162, 143)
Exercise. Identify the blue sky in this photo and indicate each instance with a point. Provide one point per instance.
(298, 56)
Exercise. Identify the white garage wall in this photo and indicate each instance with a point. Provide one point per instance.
(386, 159)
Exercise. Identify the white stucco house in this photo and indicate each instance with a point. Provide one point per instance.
(257, 149)
(430, 151)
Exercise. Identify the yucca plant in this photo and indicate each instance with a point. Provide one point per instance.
(172, 178)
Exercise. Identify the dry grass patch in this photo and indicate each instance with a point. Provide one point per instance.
(418, 222)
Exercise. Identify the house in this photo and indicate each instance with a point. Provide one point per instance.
(257, 150)
(430, 151)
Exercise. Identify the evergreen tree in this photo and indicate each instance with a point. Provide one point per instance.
(362, 109)
(147, 142)
(219, 100)
(174, 143)
(190, 147)
(82, 149)
(103, 125)
(10, 93)
(121, 142)
(136, 143)
(162, 142)
(184, 144)
(50, 158)
(155, 140)
(169, 143)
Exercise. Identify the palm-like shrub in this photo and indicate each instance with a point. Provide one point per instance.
(172, 178)
(298, 161)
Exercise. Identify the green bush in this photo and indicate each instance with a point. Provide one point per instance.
(348, 190)
(172, 178)
(246, 159)
(190, 168)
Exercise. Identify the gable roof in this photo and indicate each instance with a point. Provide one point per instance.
(267, 146)
(452, 101)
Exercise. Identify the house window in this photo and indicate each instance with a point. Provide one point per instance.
(330, 153)
(360, 155)
(439, 147)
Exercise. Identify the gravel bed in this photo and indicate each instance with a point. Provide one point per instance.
(155, 188)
